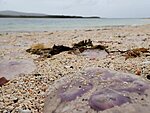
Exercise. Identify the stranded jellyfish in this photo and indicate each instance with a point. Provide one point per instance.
(98, 90)
(10, 68)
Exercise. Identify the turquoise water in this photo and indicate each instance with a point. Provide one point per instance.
(38, 24)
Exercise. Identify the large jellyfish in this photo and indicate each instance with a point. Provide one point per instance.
(98, 90)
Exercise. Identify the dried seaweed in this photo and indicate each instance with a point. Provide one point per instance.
(132, 53)
(83, 43)
(81, 46)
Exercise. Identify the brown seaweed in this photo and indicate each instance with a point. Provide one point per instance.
(81, 46)
(132, 53)
(83, 43)
(135, 52)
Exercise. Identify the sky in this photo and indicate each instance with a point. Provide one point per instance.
(101, 8)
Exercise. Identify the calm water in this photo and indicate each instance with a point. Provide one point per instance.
(32, 24)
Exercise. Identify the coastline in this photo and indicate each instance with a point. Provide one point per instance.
(29, 89)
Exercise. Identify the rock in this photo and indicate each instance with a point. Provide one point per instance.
(138, 71)
(3, 81)
(97, 89)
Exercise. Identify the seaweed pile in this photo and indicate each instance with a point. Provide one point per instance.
(39, 49)
(82, 46)
(97, 89)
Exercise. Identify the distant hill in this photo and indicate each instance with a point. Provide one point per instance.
(15, 14)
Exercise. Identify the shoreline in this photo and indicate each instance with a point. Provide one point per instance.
(26, 91)
(74, 29)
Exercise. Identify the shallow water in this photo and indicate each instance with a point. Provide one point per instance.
(38, 24)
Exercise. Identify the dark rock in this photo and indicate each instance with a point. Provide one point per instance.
(3, 81)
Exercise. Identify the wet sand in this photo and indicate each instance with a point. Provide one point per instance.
(26, 90)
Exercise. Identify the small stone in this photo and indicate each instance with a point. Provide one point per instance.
(24, 111)
(138, 72)
(3, 81)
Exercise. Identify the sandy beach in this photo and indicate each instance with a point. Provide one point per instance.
(26, 90)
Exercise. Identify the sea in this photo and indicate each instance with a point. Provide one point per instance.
(46, 24)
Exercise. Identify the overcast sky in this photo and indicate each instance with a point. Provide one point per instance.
(102, 8)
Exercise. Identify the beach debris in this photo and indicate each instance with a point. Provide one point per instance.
(10, 68)
(3, 81)
(101, 88)
(77, 48)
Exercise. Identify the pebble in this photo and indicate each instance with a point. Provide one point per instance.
(24, 111)
(138, 72)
